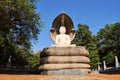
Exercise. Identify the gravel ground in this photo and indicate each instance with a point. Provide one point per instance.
(69, 78)
(59, 77)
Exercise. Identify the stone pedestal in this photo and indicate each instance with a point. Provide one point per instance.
(104, 65)
(71, 60)
(116, 62)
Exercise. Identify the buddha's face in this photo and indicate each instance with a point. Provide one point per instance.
(62, 30)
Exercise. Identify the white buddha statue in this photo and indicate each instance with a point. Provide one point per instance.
(62, 39)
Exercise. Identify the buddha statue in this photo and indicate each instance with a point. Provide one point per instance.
(63, 57)
(62, 39)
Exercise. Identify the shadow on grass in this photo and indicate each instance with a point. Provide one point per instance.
(20, 71)
(111, 71)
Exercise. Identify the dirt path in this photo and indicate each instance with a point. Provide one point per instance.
(59, 77)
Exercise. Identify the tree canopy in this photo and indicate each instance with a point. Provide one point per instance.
(83, 35)
(105, 45)
(108, 42)
(19, 25)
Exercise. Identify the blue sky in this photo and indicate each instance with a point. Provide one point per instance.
(94, 13)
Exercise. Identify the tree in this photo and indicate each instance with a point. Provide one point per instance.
(108, 43)
(116, 39)
(84, 38)
(34, 59)
(94, 56)
(19, 25)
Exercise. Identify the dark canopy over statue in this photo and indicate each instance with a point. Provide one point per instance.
(62, 20)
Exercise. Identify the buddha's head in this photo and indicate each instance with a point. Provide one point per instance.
(62, 30)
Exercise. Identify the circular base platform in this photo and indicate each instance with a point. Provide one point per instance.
(67, 72)
(67, 60)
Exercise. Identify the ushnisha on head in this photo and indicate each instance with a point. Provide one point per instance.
(62, 30)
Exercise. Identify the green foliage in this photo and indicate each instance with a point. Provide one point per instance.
(83, 35)
(19, 57)
(108, 42)
(19, 25)
(109, 58)
(104, 46)
(94, 57)
(34, 59)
